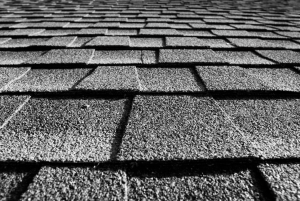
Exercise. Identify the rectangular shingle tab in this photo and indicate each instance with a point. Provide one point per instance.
(9, 74)
(243, 57)
(159, 32)
(155, 125)
(107, 41)
(259, 43)
(77, 130)
(146, 42)
(107, 78)
(23, 42)
(281, 56)
(15, 58)
(117, 57)
(196, 42)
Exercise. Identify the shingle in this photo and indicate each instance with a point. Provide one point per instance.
(79, 25)
(188, 56)
(271, 125)
(46, 129)
(23, 42)
(9, 105)
(209, 26)
(168, 80)
(177, 128)
(251, 27)
(264, 34)
(63, 56)
(195, 33)
(107, 78)
(3, 40)
(117, 57)
(94, 31)
(41, 25)
(216, 186)
(8, 74)
(180, 26)
(108, 41)
(75, 183)
(48, 80)
(13, 181)
(15, 58)
(218, 78)
(292, 34)
(196, 42)
(132, 25)
(80, 41)
(57, 32)
(146, 42)
(149, 57)
(231, 33)
(259, 43)
(121, 32)
(283, 179)
(117, 19)
(281, 56)
(243, 57)
(25, 32)
(59, 41)
(107, 24)
(158, 25)
(159, 32)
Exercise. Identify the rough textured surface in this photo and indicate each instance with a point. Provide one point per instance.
(111, 78)
(48, 80)
(63, 56)
(259, 43)
(284, 180)
(156, 124)
(196, 42)
(168, 80)
(117, 57)
(62, 130)
(15, 58)
(109, 41)
(281, 56)
(243, 57)
(74, 183)
(9, 74)
(188, 56)
(229, 185)
(146, 42)
(21, 42)
(264, 122)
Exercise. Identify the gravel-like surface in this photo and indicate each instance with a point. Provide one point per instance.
(281, 56)
(109, 41)
(180, 127)
(74, 183)
(62, 130)
(196, 42)
(117, 57)
(8, 74)
(146, 42)
(243, 57)
(15, 58)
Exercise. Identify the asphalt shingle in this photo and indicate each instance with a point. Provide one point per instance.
(149, 57)
(73, 183)
(228, 185)
(168, 80)
(189, 56)
(281, 56)
(48, 80)
(15, 58)
(242, 57)
(23, 42)
(80, 41)
(25, 32)
(259, 43)
(107, 78)
(47, 129)
(92, 32)
(283, 179)
(63, 56)
(159, 32)
(146, 42)
(122, 32)
(177, 128)
(59, 41)
(195, 33)
(292, 34)
(107, 41)
(271, 125)
(117, 57)
(196, 42)
(9, 74)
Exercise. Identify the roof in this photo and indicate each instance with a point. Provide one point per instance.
(149, 100)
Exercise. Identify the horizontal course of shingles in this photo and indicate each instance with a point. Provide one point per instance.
(94, 94)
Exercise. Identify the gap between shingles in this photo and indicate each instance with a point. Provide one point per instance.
(13, 80)
(14, 113)
(83, 78)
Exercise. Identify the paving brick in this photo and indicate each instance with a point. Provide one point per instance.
(23, 42)
(259, 43)
(149, 57)
(146, 42)
(281, 56)
(117, 57)
(75, 183)
(111, 78)
(216, 186)
(283, 180)
(41, 80)
(271, 125)
(122, 32)
(94, 31)
(242, 58)
(78, 130)
(196, 42)
(168, 80)
(63, 56)
(164, 32)
(109, 41)
(188, 56)
(15, 58)
(156, 130)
